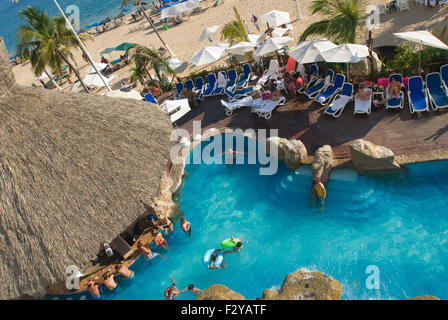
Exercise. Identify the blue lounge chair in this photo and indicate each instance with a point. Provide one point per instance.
(220, 89)
(418, 99)
(437, 93)
(199, 87)
(314, 69)
(444, 74)
(150, 98)
(244, 78)
(239, 93)
(336, 108)
(232, 80)
(179, 88)
(327, 95)
(189, 84)
(210, 87)
(392, 103)
(320, 85)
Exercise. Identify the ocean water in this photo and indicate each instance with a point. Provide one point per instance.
(90, 11)
(395, 222)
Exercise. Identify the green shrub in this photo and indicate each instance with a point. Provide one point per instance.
(166, 85)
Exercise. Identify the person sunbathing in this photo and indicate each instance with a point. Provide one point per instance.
(394, 88)
(275, 94)
(364, 92)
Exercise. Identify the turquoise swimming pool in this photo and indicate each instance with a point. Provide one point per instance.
(395, 221)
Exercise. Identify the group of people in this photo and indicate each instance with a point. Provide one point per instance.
(95, 286)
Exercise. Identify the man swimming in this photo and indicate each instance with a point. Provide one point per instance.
(193, 290)
(232, 243)
(213, 259)
(185, 225)
(172, 292)
(318, 189)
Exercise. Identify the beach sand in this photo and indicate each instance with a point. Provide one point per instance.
(183, 38)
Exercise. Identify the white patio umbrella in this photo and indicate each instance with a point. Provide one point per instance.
(422, 38)
(346, 53)
(253, 38)
(208, 54)
(94, 80)
(174, 63)
(310, 51)
(42, 76)
(100, 66)
(176, 109)
(272, 45)
(132, 94)
(180, 8)
(208, 32)
(279, 32)
(241, 47)
(275, 18)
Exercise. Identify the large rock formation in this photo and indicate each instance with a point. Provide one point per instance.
(293, 152)
(368, 157)
(219, 292)
(424, 297)
(306, 285)
(322, 163)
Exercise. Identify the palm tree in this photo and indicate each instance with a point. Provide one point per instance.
(342, 20)
(235, 30)
(146, 58)
(46, 41)
(142, 10)
(138, 75)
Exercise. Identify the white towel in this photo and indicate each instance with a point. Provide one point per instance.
(244, 102)
(339, 103)
(362, 106)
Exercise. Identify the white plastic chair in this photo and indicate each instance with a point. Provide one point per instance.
(402, 5)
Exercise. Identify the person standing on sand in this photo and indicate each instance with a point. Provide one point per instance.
(255, 22)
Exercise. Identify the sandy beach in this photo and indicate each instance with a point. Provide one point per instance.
(183, 38)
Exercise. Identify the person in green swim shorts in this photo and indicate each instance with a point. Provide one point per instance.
(234, 244)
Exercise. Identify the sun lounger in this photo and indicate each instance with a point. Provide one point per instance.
(232, 80)
(239, 93)
(336, 108)
(179, 88)
(150, 98)
(320, 84)
(437, 93)
(268, 74)
(221, 83)
(418, 99)
(392, 103)
(199, 87)
(210, 87)
(363, 106)
(327, 95)
(189, 84)
(314, 69)
(444, 74)
(244, 78)
(236, 104)
(268, 107)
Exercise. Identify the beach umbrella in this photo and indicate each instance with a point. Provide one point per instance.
(275, 18)
(125, 46)
(108, 50)
(310, 51)
(422, 38)
(279, 32)
(41, 77)
(100, 66)
(131, 94)
(208, 55)
(208, 32)
(179, 8)
(242, 47)
(272, 45)
(174, 63)
(253, 38)
(346, 53)
(94, 80)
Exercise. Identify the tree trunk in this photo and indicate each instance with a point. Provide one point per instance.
(52, 80)
(154, 28)
(155, 83)
(74, 70)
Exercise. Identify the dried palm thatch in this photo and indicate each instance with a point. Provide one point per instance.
(75, 170)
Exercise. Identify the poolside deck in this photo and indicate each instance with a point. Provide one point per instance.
(399, 130)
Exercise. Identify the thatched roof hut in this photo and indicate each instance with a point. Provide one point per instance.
(75, 170)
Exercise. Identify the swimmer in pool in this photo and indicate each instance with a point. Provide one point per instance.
(185, 225)
(234, 244)
(233, 154)
(213, 259)
(172, 292)
(318, 189)
(193, 290)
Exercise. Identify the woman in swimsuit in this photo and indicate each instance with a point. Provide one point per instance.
(166, 224)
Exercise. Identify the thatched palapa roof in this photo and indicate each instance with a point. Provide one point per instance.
(75, 170)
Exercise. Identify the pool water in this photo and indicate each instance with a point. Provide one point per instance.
(397, 222)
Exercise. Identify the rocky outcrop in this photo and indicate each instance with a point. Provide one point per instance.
(219, 292)
(322, 163)
(293, 152)
(306, 285)
(369, 157)
(424, 297)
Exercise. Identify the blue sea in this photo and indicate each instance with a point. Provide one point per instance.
(90, 11)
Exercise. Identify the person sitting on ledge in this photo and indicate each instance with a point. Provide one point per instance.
(160, 241)
(146, 251)
(93, 288)
(109, 281)
(166, 224)
(124, 271)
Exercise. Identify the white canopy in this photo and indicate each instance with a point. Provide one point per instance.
(272, 44)
(100, 66)
(241, 47)
(174, 63)
(348, 53)
(208, 32)
(275, 18)
(310, 51)
(94, 80)
(180, 8)
(422, 37)
(208, 54)
(132, 94)
(253, 38)
(279, 32)
(176, 109)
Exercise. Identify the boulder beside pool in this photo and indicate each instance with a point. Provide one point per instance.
(219, 292)
(424, 297)
(306, 285)
(292, 151)
(322, 164)
(367, 156)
